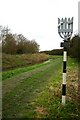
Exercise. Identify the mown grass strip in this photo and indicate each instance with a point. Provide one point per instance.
(19, 99)
(12, 73)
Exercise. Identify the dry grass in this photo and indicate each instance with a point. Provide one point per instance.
(15, 61)
(72, 84)
(41, 111)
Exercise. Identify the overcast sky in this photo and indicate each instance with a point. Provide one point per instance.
(38, 19)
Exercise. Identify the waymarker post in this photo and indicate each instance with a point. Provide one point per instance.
(65, 30)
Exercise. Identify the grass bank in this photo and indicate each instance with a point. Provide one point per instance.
(17, 61)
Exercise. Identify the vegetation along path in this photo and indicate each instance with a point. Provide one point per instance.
(35, 92)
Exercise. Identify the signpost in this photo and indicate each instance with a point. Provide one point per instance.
(65, 30)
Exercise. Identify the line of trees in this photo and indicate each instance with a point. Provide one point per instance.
(54, 52)
(73, 50)
(17, 44)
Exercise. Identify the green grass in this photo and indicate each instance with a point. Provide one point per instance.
(16, 71)
(39, 94)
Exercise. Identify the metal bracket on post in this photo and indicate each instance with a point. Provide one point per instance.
(65, 30)
(65, 44)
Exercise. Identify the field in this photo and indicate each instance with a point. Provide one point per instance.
(35, 91)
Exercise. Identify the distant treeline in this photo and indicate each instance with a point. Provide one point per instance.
(73, 50)
(17, 44)
(54, 52)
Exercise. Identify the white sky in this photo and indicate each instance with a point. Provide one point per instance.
(38, 19)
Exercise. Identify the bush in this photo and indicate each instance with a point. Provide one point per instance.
(74, 50)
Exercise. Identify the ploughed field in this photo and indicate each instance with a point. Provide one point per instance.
(35, 91)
